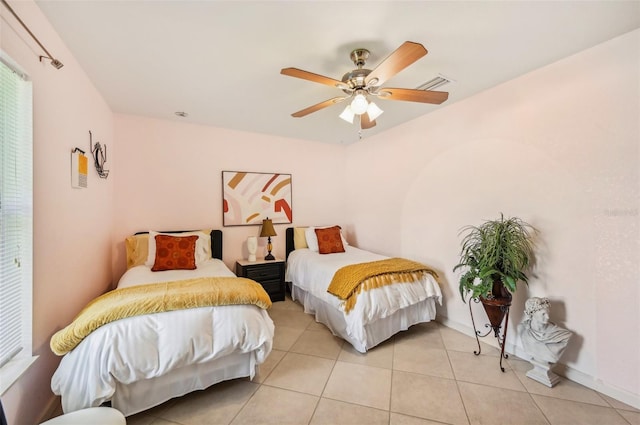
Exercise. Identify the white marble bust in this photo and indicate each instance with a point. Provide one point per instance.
(542, 340)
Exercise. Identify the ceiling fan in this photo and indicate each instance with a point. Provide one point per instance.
(361, 83)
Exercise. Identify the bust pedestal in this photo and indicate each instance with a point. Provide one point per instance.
(542, 373)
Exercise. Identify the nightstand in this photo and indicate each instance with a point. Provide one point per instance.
(269, 274)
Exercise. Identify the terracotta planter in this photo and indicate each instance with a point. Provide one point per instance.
(498, 306)
(496, 309)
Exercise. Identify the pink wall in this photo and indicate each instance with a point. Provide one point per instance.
(558, 147)
(72, 227)
(565, 136)
(170, 177)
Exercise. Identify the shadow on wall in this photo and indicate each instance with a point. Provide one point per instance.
(558, 315)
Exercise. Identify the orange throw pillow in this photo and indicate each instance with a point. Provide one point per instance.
(175, 253)
(329, 240)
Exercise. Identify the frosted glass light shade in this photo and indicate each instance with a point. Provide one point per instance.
(359, 104)
(373, 111)
(347, 114)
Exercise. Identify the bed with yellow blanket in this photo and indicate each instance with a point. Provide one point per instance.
(163, 334)
(363, 297)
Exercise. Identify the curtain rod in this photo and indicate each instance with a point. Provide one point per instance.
(54, 62)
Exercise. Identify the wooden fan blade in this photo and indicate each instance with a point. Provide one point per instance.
(318, 106)
(310, 76)
(402, 57)
(411, 95)
(365, 122)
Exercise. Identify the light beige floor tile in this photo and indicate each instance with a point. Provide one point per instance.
(565, 389)
(618, 404)
(300, 372)
(318, 343)
(483, 370)
(399, 419)
(417, 358)
(140, 419)
(560, 412)
(284, 337)
(427, 397)
(457, 341)
(317, 326)
(632, 417)
(495, 406)
(160, 421)
(518, 364)
(360, 384)
(290, 318)
(269, 364)
(218, 404)
(276, 406)
(287, 304)
(332, 412)
(363, 388)
(379, 356)
(427, 334)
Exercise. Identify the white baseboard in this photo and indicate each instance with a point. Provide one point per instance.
(560, 368)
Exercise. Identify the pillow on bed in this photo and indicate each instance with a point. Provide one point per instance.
(203, 245)
(329, 240)
(137, 247)
(175, 253)
(299, 238)
(312, 239)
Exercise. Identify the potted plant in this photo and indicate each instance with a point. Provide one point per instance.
(495, 256)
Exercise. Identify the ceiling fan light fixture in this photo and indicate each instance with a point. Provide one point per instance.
(373, 111)
(359, 104)
(347, 114)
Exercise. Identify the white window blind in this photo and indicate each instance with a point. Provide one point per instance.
(16, 212)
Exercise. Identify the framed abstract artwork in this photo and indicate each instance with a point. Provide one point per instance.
(248, 198)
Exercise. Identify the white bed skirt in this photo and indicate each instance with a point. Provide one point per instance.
(142, 395)
(374, 332)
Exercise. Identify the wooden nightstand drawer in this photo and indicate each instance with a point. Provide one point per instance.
(263, 272)
(272, 287)
(269, 274)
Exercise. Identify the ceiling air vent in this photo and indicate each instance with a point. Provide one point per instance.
(434, 83)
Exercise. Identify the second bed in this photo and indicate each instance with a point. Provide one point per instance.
(377, 313)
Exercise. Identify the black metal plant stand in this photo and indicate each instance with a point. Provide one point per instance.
(500, 312)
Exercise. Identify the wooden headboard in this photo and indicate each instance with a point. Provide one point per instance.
(216, 240)
(289, 238)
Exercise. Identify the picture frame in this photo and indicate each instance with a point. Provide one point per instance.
(250, 197)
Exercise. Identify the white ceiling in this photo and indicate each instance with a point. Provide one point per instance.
(220, 61)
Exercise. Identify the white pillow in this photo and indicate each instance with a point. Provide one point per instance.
(312, 238)
(203, 246)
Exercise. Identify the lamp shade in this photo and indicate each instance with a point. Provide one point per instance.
(267, 228)
(373, 111)
(347, 114)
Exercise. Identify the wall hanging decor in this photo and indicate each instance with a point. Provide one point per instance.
(79, 168)
(248, 198)
(99, 157)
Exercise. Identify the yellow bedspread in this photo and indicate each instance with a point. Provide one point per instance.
(156, 298)
(350, 280)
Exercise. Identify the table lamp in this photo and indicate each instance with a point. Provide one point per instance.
(268, 231)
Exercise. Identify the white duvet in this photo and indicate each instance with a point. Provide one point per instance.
(313, 272)
(149, 346)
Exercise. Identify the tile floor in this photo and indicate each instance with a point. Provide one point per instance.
(426, 375)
